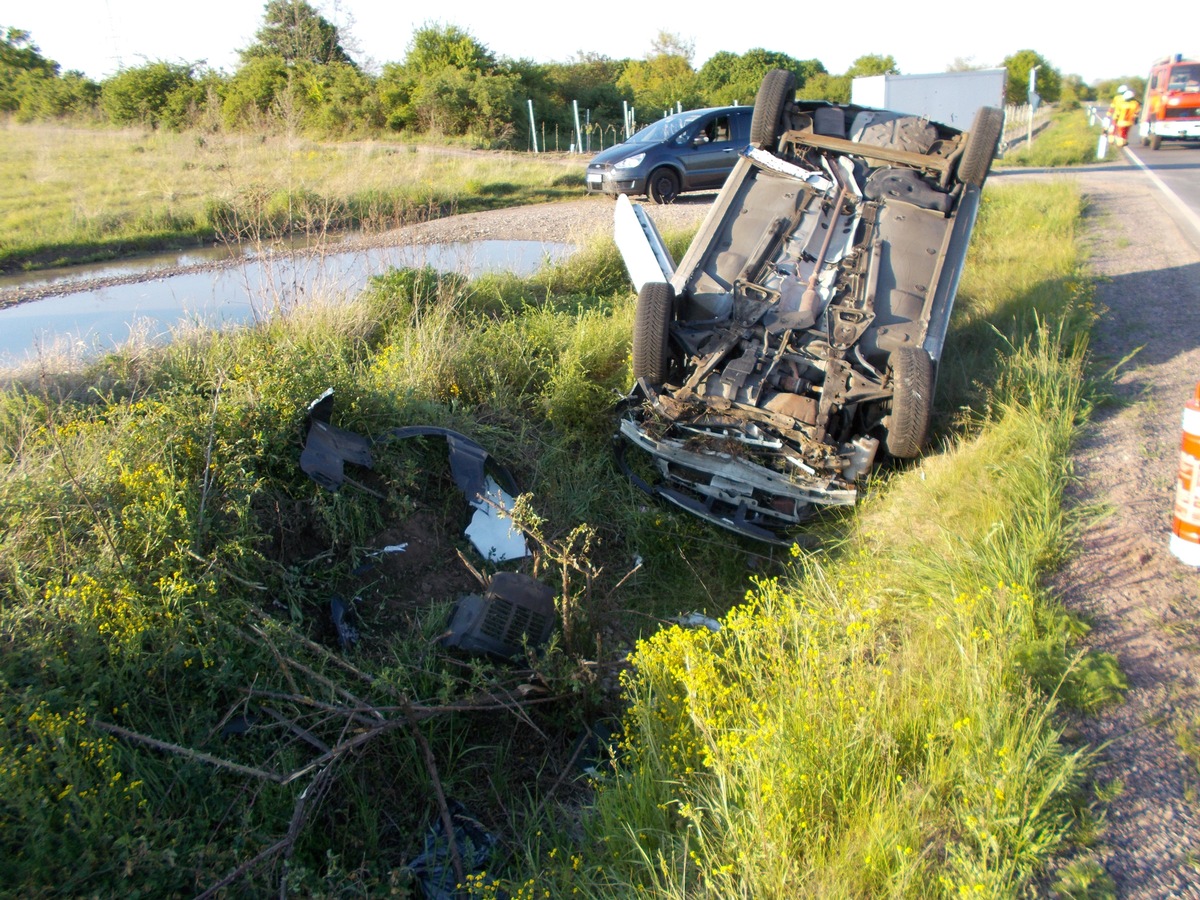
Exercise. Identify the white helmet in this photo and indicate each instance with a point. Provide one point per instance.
(1123, 89)
(1128, 95)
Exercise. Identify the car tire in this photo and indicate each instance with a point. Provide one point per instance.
(651, 328)
(663, 186)
(912, 402)
(1155, 141)
(778, 88)
(981, 146)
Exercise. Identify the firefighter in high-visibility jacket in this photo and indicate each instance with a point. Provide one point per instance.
(1118, 100)
(1126, 116)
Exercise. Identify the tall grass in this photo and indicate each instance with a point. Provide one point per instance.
(73, 195)
(876, 718)
(1067, 140)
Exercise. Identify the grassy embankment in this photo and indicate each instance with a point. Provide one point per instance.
(74, 195)
(1067, 140)
(875, 718)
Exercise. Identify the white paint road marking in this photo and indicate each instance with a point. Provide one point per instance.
(1187, 212)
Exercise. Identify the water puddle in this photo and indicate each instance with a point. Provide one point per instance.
(256, 285)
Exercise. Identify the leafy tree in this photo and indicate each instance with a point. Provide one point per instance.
(1049, 81)
(665, 77)
(252, 91)
(834, 88)
(728, 78)
(1105, 89)
(31, 86)
(19, 52)
(449, 83)
(154, 94)
(71, 95)
(295, 31)
(872, 64)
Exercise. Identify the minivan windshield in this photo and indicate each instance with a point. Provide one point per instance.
(664, 128)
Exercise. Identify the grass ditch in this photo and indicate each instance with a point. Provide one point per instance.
(876, 717)
(77, 195)
(1068, 140)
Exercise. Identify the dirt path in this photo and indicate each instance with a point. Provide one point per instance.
(1144, 605)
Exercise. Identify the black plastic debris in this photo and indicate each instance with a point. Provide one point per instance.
(328, 448)
(516, 610)
(339, 611)
(434, 868)
(594, 750)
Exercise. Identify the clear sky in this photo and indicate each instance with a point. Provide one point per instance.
(100, 36)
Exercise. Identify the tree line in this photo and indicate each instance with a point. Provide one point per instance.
(297, 76)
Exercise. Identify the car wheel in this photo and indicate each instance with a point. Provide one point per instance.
(981, 146)
(1155, 141)
(663, 186)
(766, 123)
(912, 402)
(651, 326)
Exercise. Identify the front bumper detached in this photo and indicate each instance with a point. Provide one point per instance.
(729, 490)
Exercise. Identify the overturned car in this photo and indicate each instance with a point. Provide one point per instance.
(803, 328)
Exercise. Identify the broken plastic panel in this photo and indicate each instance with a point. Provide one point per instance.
(434, 868)
(328, 448)
(517, 610)
(646, 256)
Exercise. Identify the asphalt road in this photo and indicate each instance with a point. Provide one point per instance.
(1175, 168)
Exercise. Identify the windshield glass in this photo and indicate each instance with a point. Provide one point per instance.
(664, 128)
(1185, 78)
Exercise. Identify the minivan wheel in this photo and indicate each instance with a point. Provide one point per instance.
(651, 328)
(981, 146)
(766, 123)
(663, 186)
(912, 402)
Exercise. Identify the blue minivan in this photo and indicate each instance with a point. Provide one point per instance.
(689, 151)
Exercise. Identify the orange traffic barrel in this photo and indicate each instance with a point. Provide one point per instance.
(1185, 529)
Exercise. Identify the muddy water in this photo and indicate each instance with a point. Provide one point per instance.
(152, 295)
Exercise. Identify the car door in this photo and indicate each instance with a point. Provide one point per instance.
(711, 151)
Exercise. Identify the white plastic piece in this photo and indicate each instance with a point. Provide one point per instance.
(491, 531)
(697, 620)
(642, 248)
(390, 548)
(775, 164)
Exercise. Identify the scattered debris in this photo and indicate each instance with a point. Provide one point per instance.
(391, 548)
(697, 620)
(328, 448)
(491, 531)
(433, 868)
(347, 633)
(516, 610)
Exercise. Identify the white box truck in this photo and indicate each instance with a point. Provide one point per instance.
(949, 98)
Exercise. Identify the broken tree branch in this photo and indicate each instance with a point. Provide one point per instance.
(443, 809)
(184, 751)
(284, 845)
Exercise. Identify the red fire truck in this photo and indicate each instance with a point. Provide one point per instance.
(1172, 108)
